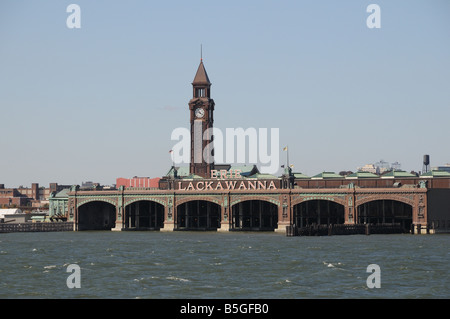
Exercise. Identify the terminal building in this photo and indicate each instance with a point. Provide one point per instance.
(212, 197)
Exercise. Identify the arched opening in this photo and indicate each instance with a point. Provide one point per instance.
(144, 215)
(198, 215)
(385, 211)
(320, 212)
(255, 215)
(96, 215)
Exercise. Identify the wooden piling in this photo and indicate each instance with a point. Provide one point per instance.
(367, 229)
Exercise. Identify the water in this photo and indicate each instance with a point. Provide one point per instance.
(222, 265)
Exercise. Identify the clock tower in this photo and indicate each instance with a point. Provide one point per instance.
(201, 108)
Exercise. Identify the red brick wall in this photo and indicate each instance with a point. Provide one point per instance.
(137, 182)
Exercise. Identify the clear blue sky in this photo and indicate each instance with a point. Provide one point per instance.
(101, 102)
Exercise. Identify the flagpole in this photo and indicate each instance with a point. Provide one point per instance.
(287, 149)
(171, 155)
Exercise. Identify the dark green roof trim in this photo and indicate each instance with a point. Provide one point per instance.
(300, 175)
(263, 176)
(362, 175)
(325, 175)
(436, 173)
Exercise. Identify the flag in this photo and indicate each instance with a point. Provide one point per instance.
(285, 148)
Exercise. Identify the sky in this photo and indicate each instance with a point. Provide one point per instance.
(100, 102)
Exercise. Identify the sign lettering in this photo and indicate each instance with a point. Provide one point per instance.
(230, 185)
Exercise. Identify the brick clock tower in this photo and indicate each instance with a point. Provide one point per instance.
(201, 108)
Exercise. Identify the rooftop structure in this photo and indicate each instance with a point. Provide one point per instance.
(445, 168)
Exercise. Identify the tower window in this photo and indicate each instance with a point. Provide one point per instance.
(200, 93)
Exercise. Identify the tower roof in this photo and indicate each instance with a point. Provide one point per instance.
(201, 77)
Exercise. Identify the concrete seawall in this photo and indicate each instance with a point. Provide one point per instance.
(35, 227)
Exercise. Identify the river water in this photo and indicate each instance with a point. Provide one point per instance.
(222, 265)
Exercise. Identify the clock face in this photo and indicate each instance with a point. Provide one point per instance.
(199, 113)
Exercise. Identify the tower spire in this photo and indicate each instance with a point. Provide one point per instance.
(201, 77)
(201, 52)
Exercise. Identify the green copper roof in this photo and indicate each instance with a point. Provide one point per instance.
(246, 170)
(193, 176)
(63, 193)
(300, 175)
(395, 173)
(362, 175)
(436, 173)
(325, 175)
(182, 171)
(263, 176)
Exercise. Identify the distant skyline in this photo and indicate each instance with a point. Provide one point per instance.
(100, 102)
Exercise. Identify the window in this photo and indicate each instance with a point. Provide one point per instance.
(200, 93)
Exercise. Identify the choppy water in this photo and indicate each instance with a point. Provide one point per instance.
(222, 265)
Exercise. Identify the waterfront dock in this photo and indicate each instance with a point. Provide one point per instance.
(343, 229)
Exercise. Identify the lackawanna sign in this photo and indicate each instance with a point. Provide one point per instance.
(228, 185)
(228, 181)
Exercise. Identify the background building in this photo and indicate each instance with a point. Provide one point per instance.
(445, 168)
(33, 197)
(379, 167)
